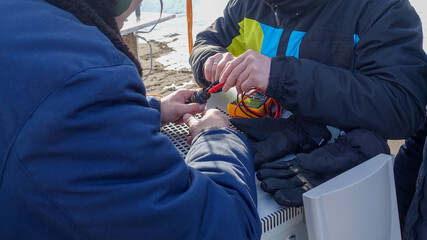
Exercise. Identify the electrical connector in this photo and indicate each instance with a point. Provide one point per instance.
(204, 94)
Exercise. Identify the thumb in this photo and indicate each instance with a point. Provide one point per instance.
(189, 140)
(194, 108)
(189, 120)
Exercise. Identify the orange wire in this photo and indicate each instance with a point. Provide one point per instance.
(154, 95)
(190, 25)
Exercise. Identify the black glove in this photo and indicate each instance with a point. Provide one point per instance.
(274, 138)
(288, 180)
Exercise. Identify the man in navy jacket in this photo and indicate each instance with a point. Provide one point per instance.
(344, 63)
(347, 64)
(81, 155)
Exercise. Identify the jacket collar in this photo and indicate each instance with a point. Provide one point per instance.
(290, 6)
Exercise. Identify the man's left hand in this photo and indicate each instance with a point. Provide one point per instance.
(173, 106)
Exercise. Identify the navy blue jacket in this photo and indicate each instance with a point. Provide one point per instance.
(344, 63)
(81, 155)
(410, 171)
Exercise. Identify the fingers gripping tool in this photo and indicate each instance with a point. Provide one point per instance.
(203, 94)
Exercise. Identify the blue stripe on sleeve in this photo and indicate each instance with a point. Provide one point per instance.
(294, 43)
(271, 40)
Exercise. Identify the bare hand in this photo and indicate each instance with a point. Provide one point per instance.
(211, 118)
(173, 106)
(249, 70)
(215, 64)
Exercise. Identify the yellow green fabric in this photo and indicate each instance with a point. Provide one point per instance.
(251, 37)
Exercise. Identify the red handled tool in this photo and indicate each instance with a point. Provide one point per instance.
(216, 87)
(204, 94)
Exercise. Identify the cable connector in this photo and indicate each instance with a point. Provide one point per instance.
(204, 94)
(200, 96)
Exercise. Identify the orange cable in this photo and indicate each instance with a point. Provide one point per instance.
(190, 25)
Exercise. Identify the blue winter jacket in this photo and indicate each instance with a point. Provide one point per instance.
(81, 156)
(345, 63)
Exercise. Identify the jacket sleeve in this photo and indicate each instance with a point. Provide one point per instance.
(94, 150)
(386, 94)
(154, 102)
(215, 39)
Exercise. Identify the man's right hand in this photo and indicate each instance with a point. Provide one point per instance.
(211, 118)
(247, 71)
(215, 64)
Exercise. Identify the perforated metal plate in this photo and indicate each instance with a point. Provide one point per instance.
(178, 134)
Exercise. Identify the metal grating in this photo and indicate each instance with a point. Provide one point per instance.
(178, 134)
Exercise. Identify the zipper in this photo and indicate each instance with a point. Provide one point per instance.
(276, 17)
(273, 8)
(275, 14)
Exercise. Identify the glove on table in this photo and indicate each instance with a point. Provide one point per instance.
(274, 138)
(288, 180)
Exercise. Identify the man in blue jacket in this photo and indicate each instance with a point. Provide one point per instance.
(81, 155)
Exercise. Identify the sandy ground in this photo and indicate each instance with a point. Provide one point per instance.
(159, 81)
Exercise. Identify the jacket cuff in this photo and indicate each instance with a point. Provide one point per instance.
(154, 102)
(217, 130)
(277, 75)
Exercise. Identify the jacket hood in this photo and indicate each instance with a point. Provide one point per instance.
(288, 6)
